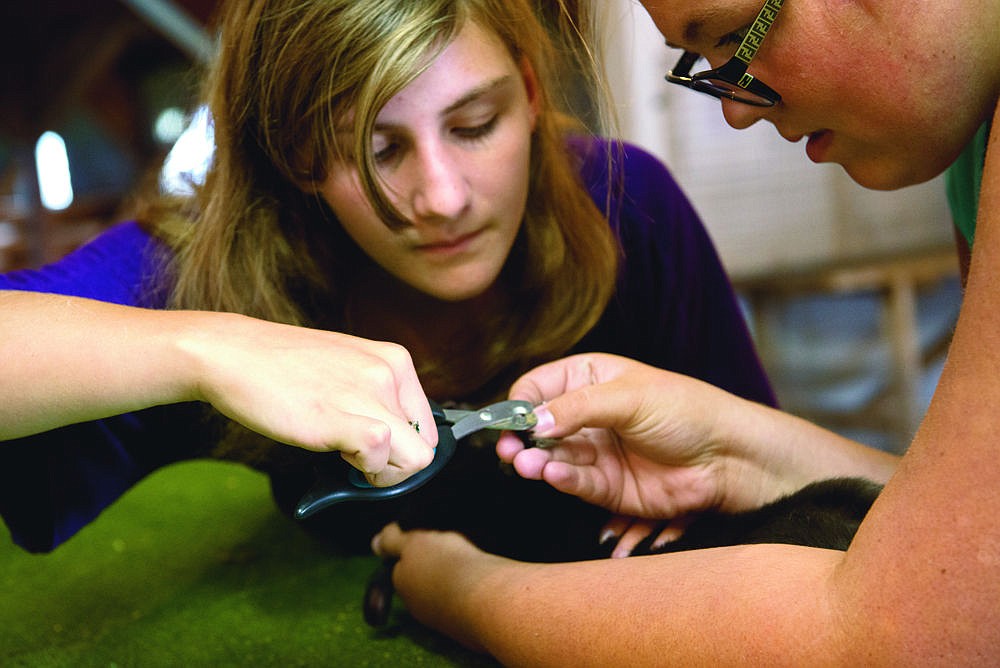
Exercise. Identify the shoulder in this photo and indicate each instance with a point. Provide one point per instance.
(121, 249)
(634, 181)
(126, 238)
(112, 267)
(598, 154)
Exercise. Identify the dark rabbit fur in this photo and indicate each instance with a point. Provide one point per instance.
(528, 520)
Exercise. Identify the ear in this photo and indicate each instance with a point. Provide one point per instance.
(531, 86)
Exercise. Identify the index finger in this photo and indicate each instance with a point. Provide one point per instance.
(411, 402)
(408, 454)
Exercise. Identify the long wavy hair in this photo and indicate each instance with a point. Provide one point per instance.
(255, 238)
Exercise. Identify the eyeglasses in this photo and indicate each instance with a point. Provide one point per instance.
(731, 81)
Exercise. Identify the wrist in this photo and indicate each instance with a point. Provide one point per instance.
(480, 596)
(197, 346)
(776, 453)
(762, 455)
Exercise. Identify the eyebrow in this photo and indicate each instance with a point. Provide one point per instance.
(694, 27)
(478, 92)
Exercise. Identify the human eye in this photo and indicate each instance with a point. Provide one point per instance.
(385, 149)
(476, 130)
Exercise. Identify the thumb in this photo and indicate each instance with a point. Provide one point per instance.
(606, 405)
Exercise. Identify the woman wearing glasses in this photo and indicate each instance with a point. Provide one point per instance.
(895, 92)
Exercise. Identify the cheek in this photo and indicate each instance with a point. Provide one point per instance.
(834, 62)
(341, 192)
(345, 198)
(504, 173)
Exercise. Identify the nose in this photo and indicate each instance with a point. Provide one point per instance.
(741, 116)
(440, 189)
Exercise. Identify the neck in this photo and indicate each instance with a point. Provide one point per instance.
(447, 340)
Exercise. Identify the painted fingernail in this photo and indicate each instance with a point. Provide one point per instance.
(545, 420)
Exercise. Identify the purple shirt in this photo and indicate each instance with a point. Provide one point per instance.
(673, 308)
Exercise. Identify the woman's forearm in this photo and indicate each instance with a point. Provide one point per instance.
(69, 359)
(749, 605)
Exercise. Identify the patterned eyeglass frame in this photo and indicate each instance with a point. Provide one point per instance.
(734, 71)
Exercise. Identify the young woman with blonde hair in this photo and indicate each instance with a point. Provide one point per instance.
(396, 209)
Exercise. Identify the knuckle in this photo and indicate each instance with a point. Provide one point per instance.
(374, 448)
(376, 434)
(394, 354)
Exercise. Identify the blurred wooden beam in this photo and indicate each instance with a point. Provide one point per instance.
(177, 25)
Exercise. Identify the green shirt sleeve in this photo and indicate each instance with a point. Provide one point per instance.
(962, 183)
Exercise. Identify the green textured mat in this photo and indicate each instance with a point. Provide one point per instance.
(195, 567)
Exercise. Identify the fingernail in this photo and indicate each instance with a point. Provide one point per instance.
(620, 553)
(662, 540)
(607, 535)
(545, 420)
(377, 544)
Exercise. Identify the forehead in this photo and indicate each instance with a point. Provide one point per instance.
(476, 61)
(687, 21)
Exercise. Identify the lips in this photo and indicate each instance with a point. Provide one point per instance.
(447, 245)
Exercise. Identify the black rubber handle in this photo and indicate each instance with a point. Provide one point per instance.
(326, 492)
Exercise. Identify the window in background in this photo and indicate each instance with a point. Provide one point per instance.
(55, 184)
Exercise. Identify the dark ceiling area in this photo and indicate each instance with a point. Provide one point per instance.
(98, 72)
(58, 54)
